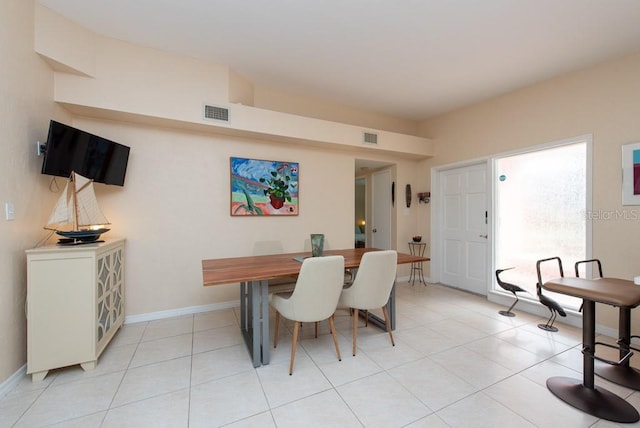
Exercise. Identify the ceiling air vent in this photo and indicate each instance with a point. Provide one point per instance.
(370, 138)
(216, 113)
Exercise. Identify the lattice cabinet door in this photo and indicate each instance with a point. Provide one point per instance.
(110, 303)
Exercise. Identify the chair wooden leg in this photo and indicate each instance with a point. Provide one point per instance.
(275, 330)
(316, 329)
(355, 330)
(332, 326)
(387, 322)
(294, 344)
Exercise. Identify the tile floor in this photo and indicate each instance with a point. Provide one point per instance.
(456, 363)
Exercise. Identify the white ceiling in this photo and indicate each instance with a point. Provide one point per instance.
(406, 58)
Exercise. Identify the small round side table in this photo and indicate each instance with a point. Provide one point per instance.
(417, 274)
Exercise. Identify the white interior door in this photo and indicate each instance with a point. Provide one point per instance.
(381, 210)
(464, 226)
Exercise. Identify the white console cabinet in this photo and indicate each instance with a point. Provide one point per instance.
(75, 304)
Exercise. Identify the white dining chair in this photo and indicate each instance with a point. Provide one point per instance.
(313, 299)
(371, 288)
(276, 285)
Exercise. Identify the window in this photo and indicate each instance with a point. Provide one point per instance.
(541, 201)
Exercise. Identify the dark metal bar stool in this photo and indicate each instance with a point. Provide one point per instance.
(620, 371)
(584, 395)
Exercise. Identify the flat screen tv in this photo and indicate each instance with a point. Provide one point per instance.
(70, 149)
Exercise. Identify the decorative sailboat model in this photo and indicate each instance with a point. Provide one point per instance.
(77, 216)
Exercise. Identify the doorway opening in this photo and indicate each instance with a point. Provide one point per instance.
(360, 217)
(374, 217)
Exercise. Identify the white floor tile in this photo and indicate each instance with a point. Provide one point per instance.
(349, 369)
(208, 320)
(456, 363)
(219, 363)
(432, 383)
(72, 400)
(537, 404)
(426, 340)
(227, 400)
(151, 380)
(13, 406)
(261, 420)
(504, 353)
(216, 338)
(388, 357)
(113, 359)
(326, 409)
(167, 410)
(542, 346)
(478, 410)
(90, 421)
(128, 334)
(167, 328)
(380, 401)
(158, 350)
(474, 368)
(281, 388)
(431, 421)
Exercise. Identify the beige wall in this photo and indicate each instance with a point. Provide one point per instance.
(174, 209)
(26, 91)
(279, 100)
(603, 101)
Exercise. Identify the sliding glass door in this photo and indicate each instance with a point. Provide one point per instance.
(541, 205)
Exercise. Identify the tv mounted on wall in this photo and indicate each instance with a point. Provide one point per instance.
(70, 149)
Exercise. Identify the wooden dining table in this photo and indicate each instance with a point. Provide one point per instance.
(253, 274)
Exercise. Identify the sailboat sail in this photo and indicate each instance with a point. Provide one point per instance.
(88, 211)
(77, 206)
(60, 215)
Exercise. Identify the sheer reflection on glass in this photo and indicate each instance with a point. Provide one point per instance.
(540, 213)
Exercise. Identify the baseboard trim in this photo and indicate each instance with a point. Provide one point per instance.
(189, 310)
(12, 381)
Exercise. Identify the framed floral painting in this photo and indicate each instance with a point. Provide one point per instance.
(263, 187)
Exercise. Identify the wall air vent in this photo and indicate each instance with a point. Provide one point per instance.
(216, 113)
(370, 138)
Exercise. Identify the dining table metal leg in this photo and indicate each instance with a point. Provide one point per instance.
(256, 331)
(391, 307)
(254, 319)
(243, 306)
(264, 320)
(248, 322)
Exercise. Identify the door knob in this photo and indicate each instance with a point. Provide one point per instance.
(374, 230)
(484, 236)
